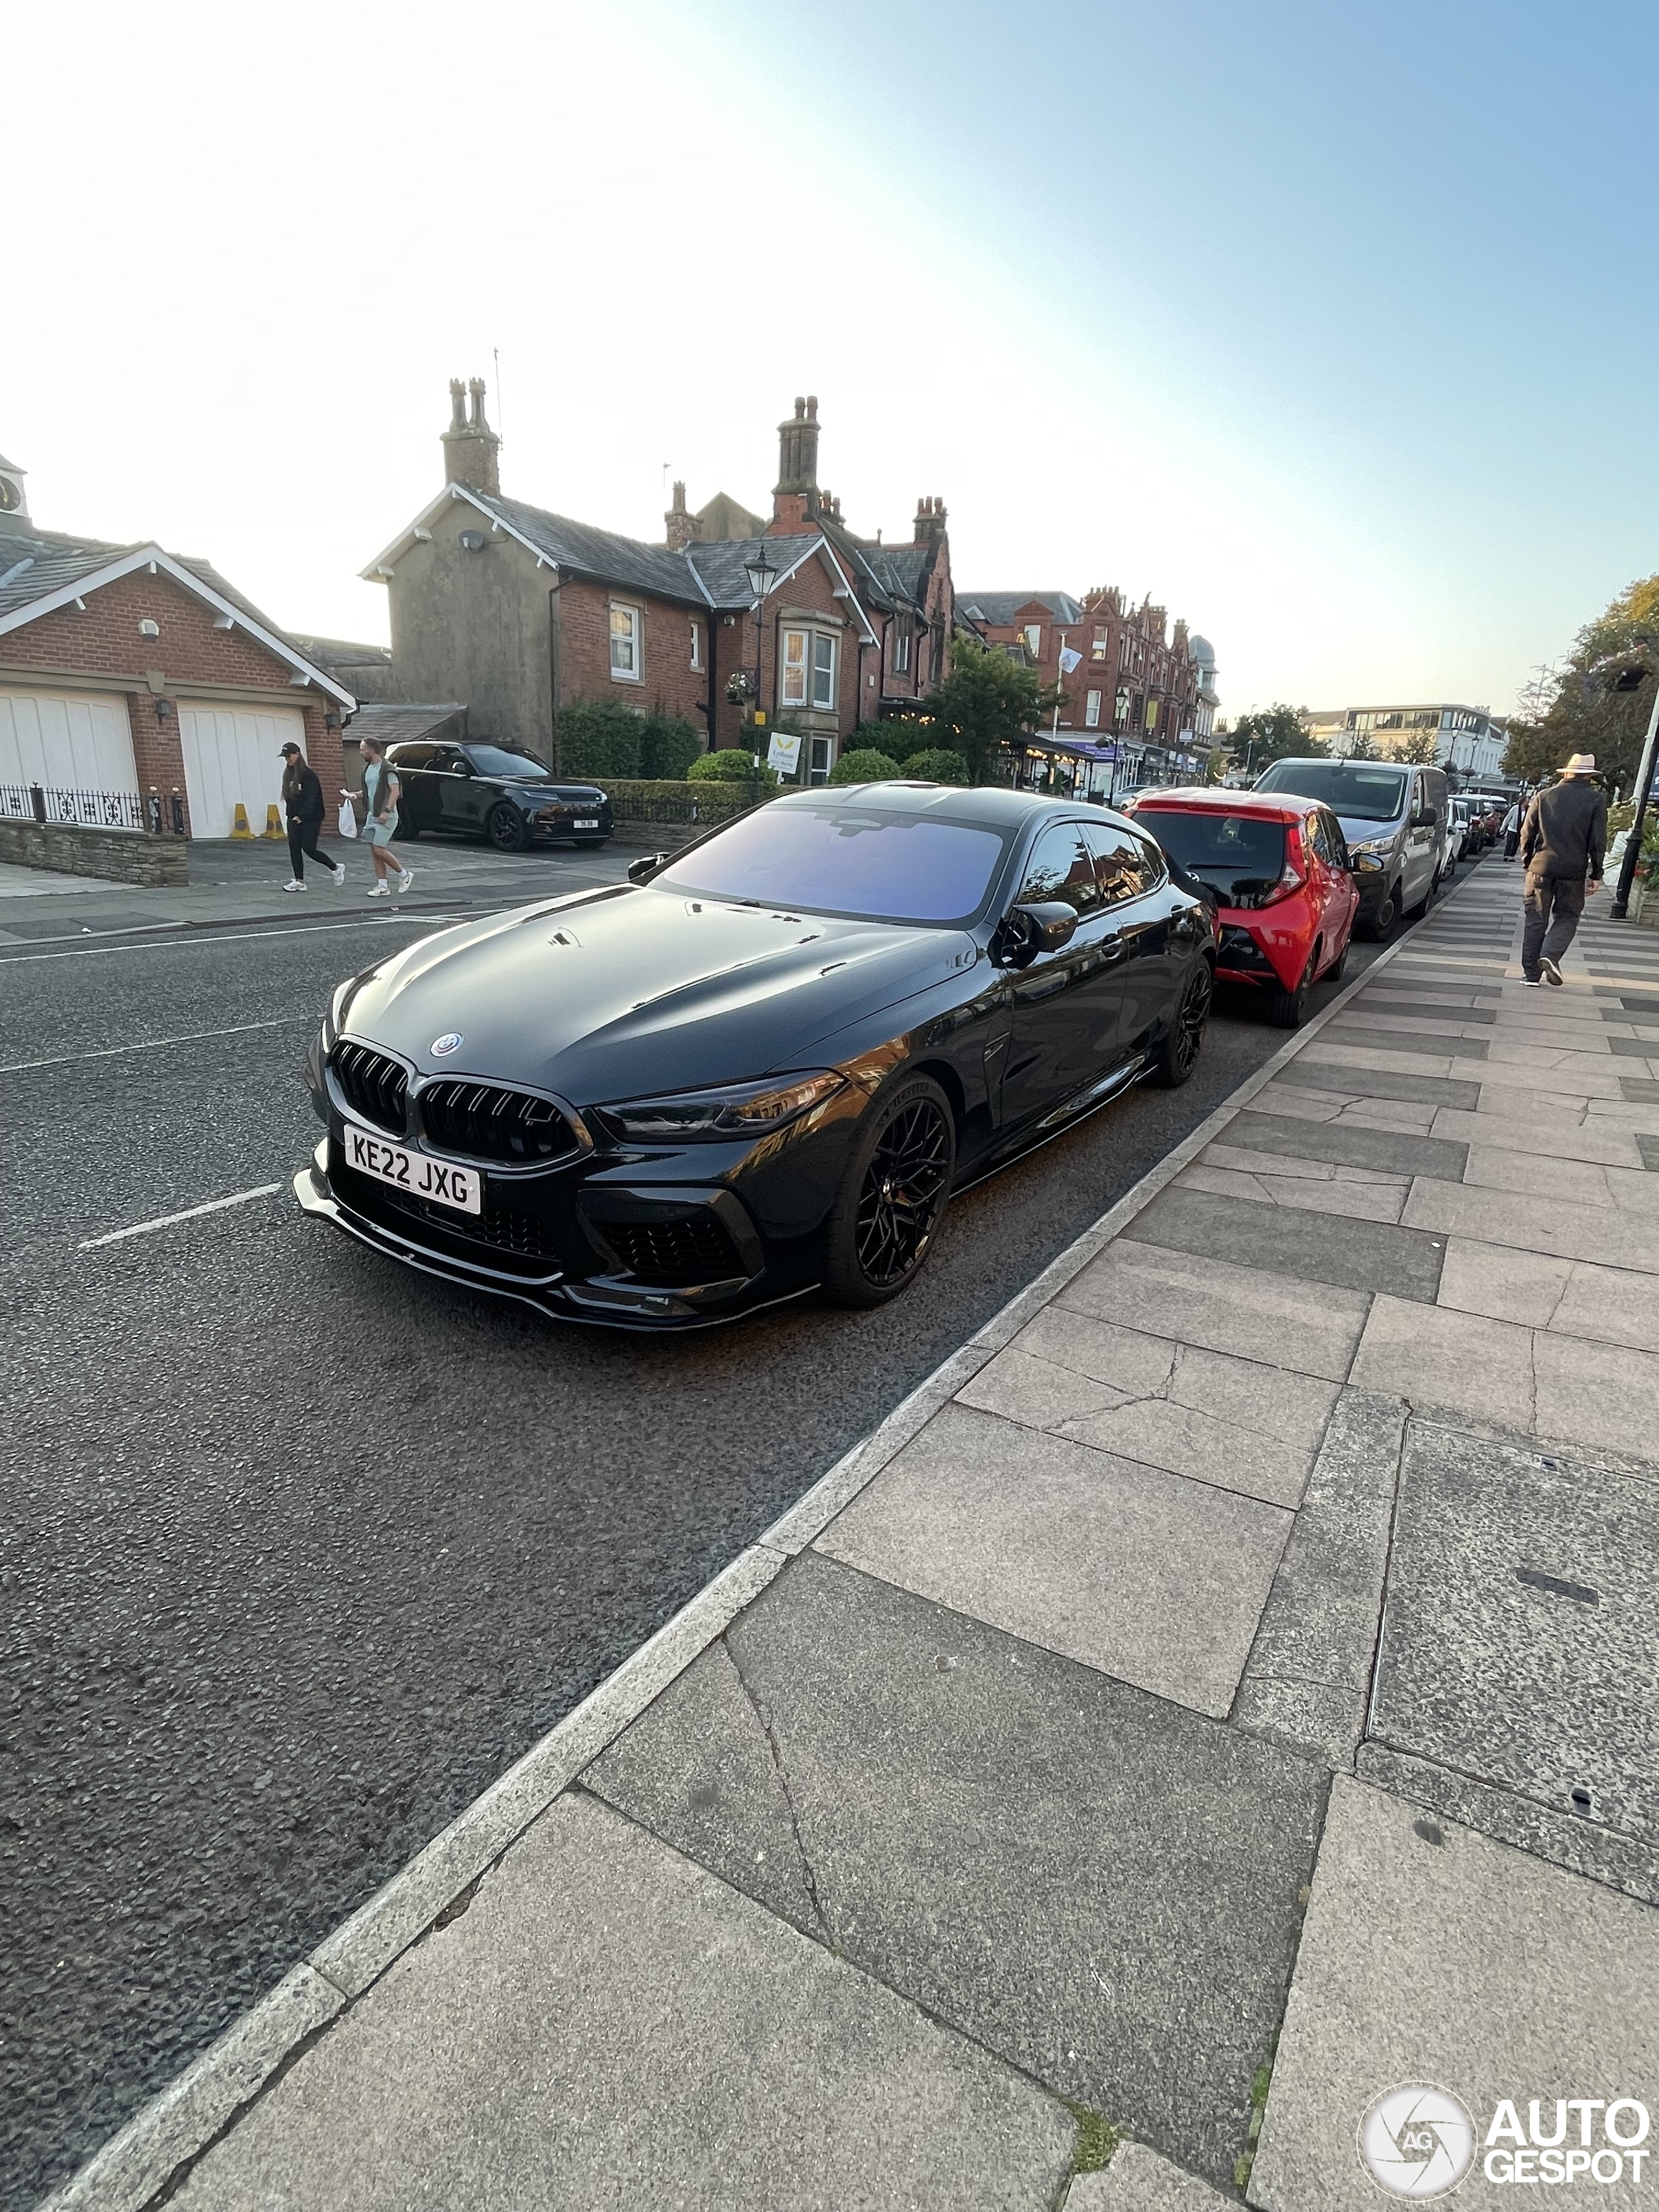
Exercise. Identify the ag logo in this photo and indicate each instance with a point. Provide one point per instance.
(443, 1046)
(1417, 2141)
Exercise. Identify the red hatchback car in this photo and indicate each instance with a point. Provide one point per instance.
(1278, 867)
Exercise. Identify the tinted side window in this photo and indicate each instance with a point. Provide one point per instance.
(445, 760)
(407, 756)
(1123, 863)
(1059, 869)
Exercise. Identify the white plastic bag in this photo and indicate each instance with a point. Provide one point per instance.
(347, 816)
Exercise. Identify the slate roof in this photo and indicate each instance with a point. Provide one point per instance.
(704, 574)
(999, 608)
(721, 564)
(40, 561)
(404, 725)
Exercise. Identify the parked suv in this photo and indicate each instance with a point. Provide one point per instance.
(1395, 820)
(496, 792)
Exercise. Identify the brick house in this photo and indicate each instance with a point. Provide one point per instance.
(520, 611)
(1149, 692)
(126, 670)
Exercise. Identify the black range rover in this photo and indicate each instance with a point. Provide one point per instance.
(494, 791)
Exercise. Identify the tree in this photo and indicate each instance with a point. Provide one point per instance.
(1417, 749)
(1363, 749)
(1269, 733)
(1599, 702)
(987, 702)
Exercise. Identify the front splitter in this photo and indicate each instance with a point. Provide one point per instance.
(664, 1314)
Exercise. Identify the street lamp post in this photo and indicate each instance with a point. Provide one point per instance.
(762, 576)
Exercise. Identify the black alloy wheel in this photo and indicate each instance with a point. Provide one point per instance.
(508, 830)
(894, 1190)
(1381, 926)
(1178, 1054)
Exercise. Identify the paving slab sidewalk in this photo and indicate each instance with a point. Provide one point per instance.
(1222, 1695)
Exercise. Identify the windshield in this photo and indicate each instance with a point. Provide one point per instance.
(1237, 854)
(867, 866)
(493, 759)
(1361, 794)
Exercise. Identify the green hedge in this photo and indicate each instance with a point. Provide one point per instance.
(603, 738)
(732, 764)
(652, 799)
(864, 765)
(938, 766)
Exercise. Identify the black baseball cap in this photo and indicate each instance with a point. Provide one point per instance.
(290, 747)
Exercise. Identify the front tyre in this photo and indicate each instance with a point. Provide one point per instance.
(509, 831)
(1178, 1054)
(892, 1195)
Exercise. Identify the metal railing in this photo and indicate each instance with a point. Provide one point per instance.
(92, 810)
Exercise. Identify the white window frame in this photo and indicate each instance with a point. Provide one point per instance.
(636, 635)
(696, 643)
(1091, 710)
(794, 660)
(809, 668)
(901, 652)
(1100, 646)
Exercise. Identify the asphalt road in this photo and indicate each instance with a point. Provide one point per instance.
(299, 1550)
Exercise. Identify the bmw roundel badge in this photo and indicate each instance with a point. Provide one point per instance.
(443, 1046)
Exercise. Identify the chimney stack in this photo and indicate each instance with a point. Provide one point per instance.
(930, 521)
(795, 495)
(470, 447)
(683, 529)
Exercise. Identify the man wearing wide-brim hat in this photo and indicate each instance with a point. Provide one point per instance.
(1563, 842)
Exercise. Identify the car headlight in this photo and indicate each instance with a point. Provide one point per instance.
(1370, 854)
(739, 1109)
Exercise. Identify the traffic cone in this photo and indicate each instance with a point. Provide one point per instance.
(239, 828)
(274, 823)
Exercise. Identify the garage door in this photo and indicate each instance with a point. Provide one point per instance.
(66, 740)
(234, 753)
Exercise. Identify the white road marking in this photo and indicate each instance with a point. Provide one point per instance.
(243, 937)
(189, 1213)
(152, 1044)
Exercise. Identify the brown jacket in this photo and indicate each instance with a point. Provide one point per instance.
(1565, 831)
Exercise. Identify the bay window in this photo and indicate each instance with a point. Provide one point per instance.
(807, 672)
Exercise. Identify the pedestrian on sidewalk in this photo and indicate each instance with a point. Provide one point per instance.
(1563, 843)
(1512, 830)
(381, 792)
(302, 796)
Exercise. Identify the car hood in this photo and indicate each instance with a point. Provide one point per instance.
(634, 991)
(1357, 831)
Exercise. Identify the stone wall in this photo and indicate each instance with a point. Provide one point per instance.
(119, 856)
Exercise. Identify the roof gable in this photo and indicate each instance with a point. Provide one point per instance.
(48, 571)
(1001, 608)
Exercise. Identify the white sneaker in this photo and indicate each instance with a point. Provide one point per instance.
(380, 891)
(339, 879)
(405, 879)
(293, 885)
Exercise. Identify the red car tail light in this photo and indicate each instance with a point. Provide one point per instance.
(1294, 873)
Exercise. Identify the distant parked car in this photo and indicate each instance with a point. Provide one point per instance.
(496, 792)
(1278, 867)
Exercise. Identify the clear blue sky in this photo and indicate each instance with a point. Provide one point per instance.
(1329, 326)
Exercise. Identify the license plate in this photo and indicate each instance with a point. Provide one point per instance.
(413, 1172)
(586, 825)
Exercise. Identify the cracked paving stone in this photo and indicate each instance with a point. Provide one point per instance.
(1095, 1884)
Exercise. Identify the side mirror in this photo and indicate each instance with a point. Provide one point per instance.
(1424, 818)
(1027, 931)
(642, 871)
